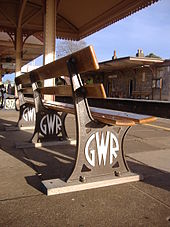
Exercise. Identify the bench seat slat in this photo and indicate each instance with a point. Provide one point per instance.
(112, 120)
(27, 90)
(69, 108)
(137, 118)
(93, 90)
(108, 115)
(112, 117)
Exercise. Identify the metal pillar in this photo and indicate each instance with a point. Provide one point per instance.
(19, 38)
(1, 90)
(0, 75)
(50, 36)
(18, 43)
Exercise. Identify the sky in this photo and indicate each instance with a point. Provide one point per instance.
(148, 29)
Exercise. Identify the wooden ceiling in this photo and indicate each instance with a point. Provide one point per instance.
(75, 19)
(32, 48)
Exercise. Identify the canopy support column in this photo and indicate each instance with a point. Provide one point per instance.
(19, 38)
(0, 76)
(18, 46)
(49, 40)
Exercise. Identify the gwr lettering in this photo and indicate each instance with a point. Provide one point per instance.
(102, 145)
(50, 124)
(10, 104)
(29, 114)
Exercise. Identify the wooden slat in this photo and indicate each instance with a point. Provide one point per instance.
(111, 119)
(93, 90)
(85, 58)
(27, 90)
(137, 118)
(107, 116)
(60, 90)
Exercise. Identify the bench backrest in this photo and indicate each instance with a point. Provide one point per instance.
(85, 61)
(92, 90)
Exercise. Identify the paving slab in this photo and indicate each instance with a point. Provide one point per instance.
(159, 159)
(17, 182)
(161, 143)
(52, 162)
(148, 132)
(135, 145)
(155, 183)
(112, 206)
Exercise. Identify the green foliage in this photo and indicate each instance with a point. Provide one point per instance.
(152, 55)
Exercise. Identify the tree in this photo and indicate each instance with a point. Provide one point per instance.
(152, 55)
(65, 47)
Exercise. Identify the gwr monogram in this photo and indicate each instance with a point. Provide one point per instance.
(102, 146)
(10, 104)
(29, 114)
(50, 124)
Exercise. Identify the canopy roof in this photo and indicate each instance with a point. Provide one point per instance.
(32, 48)
(75, 19)
(129, 62)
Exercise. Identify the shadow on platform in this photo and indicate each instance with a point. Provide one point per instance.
(58, 161)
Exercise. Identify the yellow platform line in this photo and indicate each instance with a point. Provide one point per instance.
(160, 127)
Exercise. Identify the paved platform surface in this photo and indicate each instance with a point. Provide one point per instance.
(144, 203)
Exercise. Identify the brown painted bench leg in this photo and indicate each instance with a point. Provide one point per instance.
(49, 123)
(99, 148)
(26, 112)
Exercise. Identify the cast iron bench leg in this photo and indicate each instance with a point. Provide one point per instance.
(99, 149)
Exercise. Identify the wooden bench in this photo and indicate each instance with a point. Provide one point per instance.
(100, 132)
(141, 94)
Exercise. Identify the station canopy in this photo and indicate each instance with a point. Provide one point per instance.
(32, 48)
(75, 19)
(129, 63)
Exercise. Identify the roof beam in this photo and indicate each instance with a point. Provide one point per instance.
(21, 13)
(7, 17)
(31, 16)
(34, 5)
(72, 26)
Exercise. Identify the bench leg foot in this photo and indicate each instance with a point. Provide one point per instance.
(58, 186)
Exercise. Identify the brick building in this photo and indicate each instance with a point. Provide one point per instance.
(134, 77)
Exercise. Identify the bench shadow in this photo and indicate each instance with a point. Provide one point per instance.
(152, 176)
(58, 161)
(6, 123)
(47, 162)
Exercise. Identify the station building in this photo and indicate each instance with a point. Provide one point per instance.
(134, 77)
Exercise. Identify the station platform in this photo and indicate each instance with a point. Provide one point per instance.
(143, 203)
